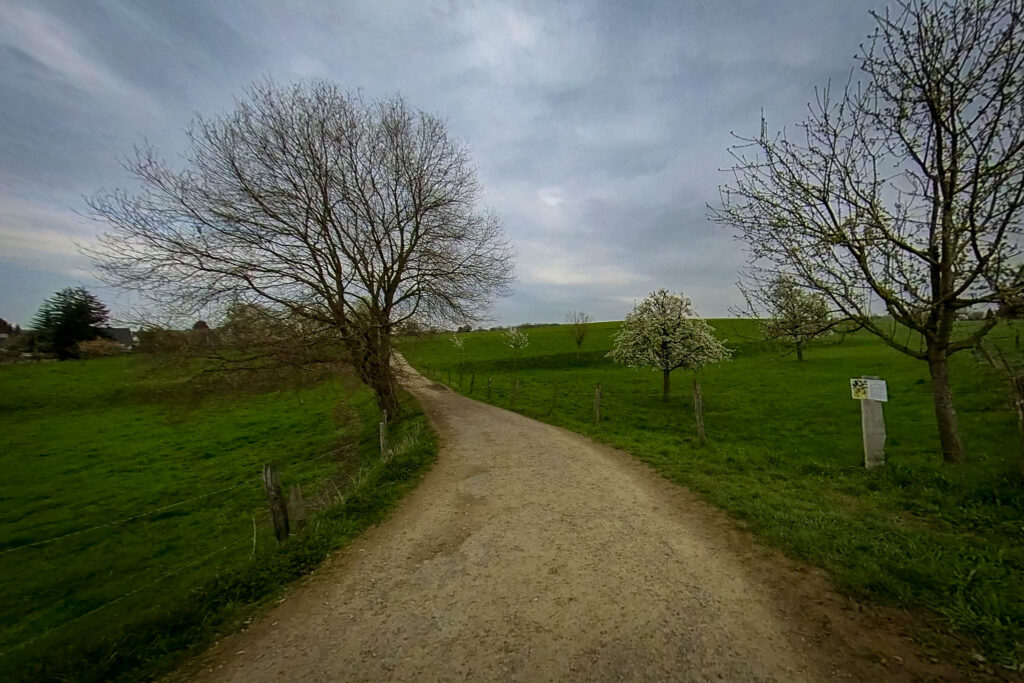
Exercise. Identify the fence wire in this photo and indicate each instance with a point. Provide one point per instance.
(122, 521)
(162, 577)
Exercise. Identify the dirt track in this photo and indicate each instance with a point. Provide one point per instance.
(530, 553)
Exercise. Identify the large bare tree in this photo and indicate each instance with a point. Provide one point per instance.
(315, 203)
(905, 192)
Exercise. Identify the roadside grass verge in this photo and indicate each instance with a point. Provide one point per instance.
(135, 522)
(785, 457)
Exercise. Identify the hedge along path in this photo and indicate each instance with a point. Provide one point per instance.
(531, 553)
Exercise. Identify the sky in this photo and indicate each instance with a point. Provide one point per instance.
(599, 129)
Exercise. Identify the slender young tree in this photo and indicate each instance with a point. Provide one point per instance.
(357, 216)
(906, 191)
(579, 326)
(516, 339)
(786, 311)
(662, 333)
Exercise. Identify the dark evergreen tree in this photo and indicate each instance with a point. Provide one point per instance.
(68, 317)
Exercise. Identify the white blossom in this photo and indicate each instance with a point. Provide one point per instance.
(662, 333)
(457, 342)
(516, 339)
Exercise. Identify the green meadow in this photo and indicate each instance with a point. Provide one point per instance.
(134, 520)
(785, 457)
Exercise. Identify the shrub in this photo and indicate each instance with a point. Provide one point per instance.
(97, 348)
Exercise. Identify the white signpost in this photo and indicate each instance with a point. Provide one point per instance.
(871, 392)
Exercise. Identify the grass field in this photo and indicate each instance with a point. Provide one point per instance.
(785, 456)
(134, 518)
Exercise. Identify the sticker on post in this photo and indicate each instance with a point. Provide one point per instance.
(869, 389)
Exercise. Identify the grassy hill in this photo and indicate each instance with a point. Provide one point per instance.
(785, 456)
(134, 518)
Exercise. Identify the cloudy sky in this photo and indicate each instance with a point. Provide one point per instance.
(599, 129)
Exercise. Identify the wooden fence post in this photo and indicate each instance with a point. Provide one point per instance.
(296, 507)
(698, 412)
(515, 393)
(383, 433)
(597, 403)
(472, 380)
(449, 376)
(554, 397)
(275, 500)
(489, 388)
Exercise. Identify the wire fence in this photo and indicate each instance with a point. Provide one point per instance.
(507, 388)
(121, 598)
(123, 520)
(240, 506)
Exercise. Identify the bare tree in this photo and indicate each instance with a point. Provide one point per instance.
(354, 215)
(786, 311)
(907, 189)
(579, 325)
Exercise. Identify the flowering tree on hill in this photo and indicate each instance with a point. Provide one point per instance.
(460, 350)
(516, 340)
(790, 313)
(662, 333)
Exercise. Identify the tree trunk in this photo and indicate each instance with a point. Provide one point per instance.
(945, 414)
(665, 384)
(275, 499)
(373, 356)
(799, 351)
(1018, 404)
(698, 412)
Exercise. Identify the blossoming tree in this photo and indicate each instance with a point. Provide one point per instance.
(662, 333)
(516, 340)
(460, 349)
(793, 314)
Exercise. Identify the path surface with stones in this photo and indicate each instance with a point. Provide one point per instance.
(531, 553)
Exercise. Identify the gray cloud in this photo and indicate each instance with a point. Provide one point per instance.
(598, 128)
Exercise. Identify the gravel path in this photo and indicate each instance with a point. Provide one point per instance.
(531, 553)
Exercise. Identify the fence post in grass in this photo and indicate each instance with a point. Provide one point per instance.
(872, 393)
(296, 507)
(515, 393)
(472, 380)
(449, 376)
(554, 397)
(383, 433)
(275, 500)
(460, 380)
(597, 403)
(698, 411)
(489, 382)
